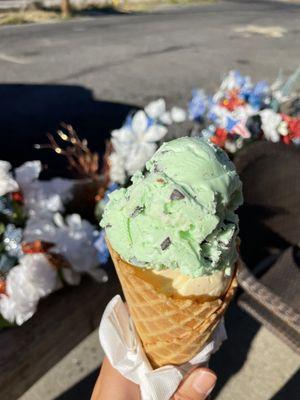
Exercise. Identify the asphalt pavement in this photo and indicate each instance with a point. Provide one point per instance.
(90, 71)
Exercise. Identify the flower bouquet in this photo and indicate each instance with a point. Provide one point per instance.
(242, 111)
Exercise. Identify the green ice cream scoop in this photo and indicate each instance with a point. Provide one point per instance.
(180, 213)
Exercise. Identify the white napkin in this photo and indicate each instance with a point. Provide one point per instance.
(124, 350)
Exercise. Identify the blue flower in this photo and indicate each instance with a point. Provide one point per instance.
(230, 123)
(100, 245)
(128, 120)
(197, 106)
(258, 94)
(112, 187)
(102, 203)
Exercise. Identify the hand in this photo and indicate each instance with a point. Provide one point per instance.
(112, 385)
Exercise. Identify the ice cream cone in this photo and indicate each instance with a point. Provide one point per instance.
(172, 329)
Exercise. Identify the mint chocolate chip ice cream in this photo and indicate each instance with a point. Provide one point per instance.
(180, 214)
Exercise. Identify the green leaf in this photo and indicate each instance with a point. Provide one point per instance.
(4, 323)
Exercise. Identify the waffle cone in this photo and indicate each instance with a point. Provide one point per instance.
(172, 329)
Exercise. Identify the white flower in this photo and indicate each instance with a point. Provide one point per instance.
(74, 238)
(42, 198)
(117, 169)
(178, 114)
(7, 183)
(26, 283)
(270, 121)
(135, 143)
(140, 153)
(28, 173)
(156, 108)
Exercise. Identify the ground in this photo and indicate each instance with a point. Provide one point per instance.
(89, 72)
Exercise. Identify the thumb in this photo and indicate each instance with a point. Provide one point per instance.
(196, 386)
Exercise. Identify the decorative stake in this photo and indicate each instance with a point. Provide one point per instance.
(77, 153)
(105, 171)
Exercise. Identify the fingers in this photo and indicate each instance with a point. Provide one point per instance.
(197, 386)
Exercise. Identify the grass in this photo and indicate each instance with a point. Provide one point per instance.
(29, 16)
(148, 5)
(112, 7)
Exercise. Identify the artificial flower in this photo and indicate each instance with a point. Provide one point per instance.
(197, 105)
(26, 283)
(270, 121)
(100, 245)
(7, 183)
(12, 238)
(42, 198)
(156, 109)
(178, 114)
(135, 142)
(69, 236)
(219, 137)
(116, 168)
(72, 234)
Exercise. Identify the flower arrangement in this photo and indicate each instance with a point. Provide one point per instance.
(241, 111)
(40, 248)
(41, 242)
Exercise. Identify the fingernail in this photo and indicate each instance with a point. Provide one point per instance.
(204, 382)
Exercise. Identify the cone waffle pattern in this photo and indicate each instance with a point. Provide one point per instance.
(172, 330)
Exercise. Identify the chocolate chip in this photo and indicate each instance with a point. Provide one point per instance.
(177, 195)
(165, 244)
(137, 211)
(108, 226)
(155, 167)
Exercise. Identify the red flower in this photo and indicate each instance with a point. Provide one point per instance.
(2, 286)
(286, 139)
(293, 127)
(232, 101)
(17, 196)
(37, 246)
(220, 137)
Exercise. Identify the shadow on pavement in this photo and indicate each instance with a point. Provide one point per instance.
(241, 329)
(291, 389)
(28, 112)
(82, 390)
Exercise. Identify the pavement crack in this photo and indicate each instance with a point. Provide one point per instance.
(137, 56)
